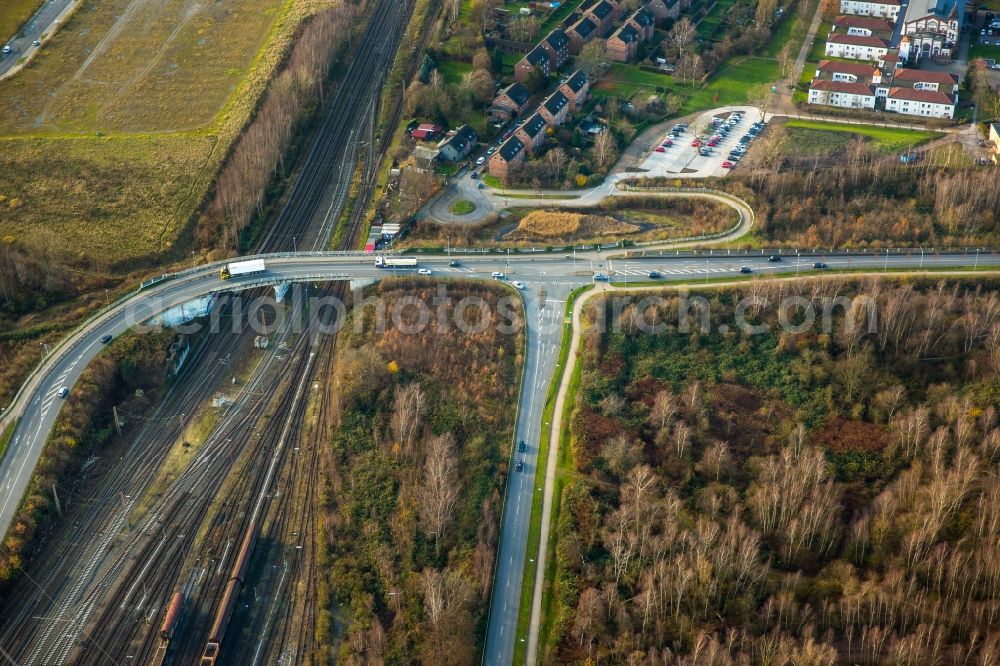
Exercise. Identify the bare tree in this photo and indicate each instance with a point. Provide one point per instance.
(440, 490)
(604, 148)
(664, 409)
(588, 622)
(406, 417)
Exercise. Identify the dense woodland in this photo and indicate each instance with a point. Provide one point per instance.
(786, 499)
(415, 481)
(871, 202)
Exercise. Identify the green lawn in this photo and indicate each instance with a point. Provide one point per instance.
(709, 26)
(818, 50)
(492, 181)
(983, 51)
(889, 139)
(730, 86)
(462, 207)
(454, 70)
(789, 31)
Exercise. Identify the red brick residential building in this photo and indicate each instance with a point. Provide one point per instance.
(622, 45)
(644, 23)
(602, 14)
(577, 90)
(510, 153)
(580, 33)
(554, 109)
(536, 60)
(532, 132)
(556, 44)
(510, 102)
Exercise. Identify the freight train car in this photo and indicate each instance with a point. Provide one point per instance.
(170, 619)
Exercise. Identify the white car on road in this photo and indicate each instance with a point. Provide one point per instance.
(424, 271)
(518, 285)
(497, 275)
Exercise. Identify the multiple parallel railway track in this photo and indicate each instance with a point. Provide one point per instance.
(234, 532)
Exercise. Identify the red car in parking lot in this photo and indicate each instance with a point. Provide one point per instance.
(696, 143)
(712, 144)
(668, 143)
(727, 165)
(661, 149)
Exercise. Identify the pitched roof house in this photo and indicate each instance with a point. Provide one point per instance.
(458, 145)
(532, 132)
(556, 44)
(577, 90)
(582, 32)
(555, 108)
(622, 45)
(537, 59)
(510, 152)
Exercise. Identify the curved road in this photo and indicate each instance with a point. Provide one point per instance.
(548, 279)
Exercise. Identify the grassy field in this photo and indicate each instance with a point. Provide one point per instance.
(730, 86)
(138, 67)
(454, 70)
(114, 197)
(831, 135)
(15, 14)
(984, 51)
(789, 30)
(462, 207)
(112, 135)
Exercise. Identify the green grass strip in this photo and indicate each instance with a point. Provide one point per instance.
(5, 437)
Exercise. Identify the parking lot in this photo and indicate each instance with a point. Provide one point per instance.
(681, 158)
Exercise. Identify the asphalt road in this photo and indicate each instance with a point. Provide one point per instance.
(41, 23)
(555, 274)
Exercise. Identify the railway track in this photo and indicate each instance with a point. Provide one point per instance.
(108, 610)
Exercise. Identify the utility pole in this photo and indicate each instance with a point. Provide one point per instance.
(107, 299)
(118, 422)
(55, 496)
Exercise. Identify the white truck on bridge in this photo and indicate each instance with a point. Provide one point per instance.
(238, 268)
(395, 262)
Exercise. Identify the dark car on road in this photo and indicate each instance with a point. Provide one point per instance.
(455, 263)
(519, 467)
(774, 258)
(820, 265)
(522, 447)
(105, 339)
(655, 275)
(746, 269)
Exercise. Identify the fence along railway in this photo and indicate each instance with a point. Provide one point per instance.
(164, 590)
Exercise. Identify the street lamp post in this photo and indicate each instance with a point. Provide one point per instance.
(921, 256)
